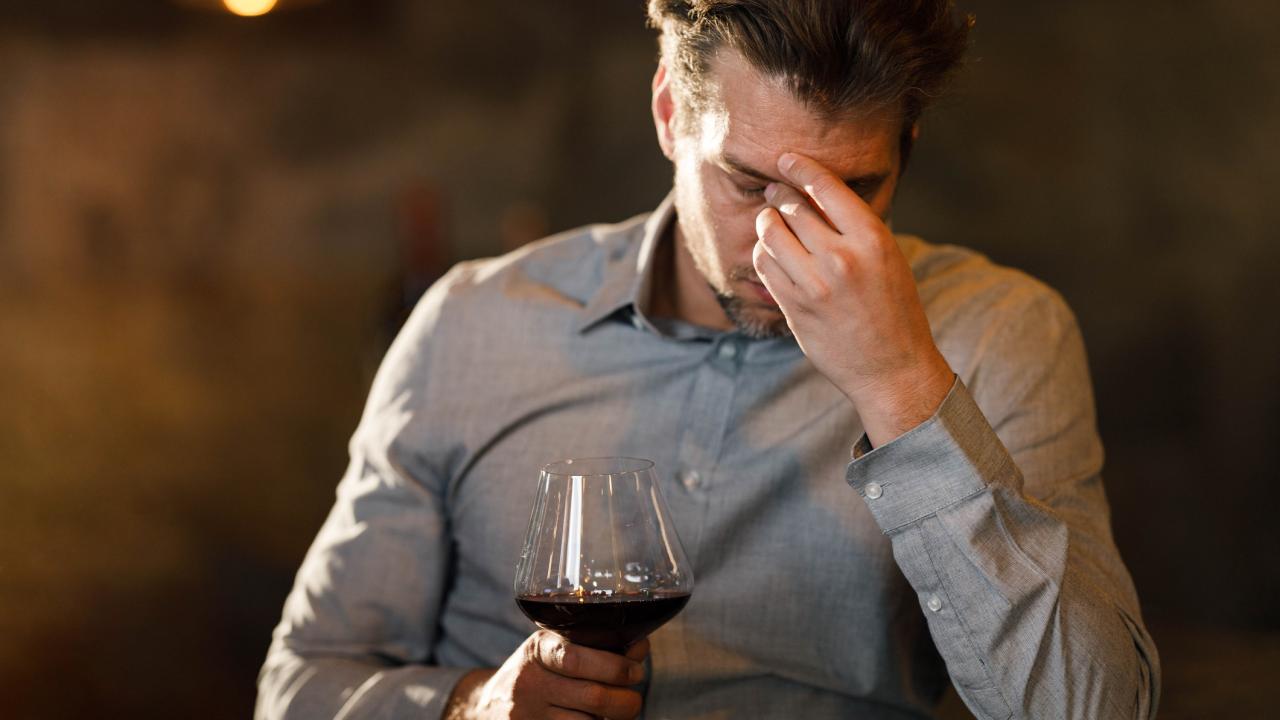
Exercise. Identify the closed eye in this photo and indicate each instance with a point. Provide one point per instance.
(867, 189)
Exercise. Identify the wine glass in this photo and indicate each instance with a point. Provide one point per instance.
(601, 565)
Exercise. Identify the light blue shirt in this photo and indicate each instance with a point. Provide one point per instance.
(975, 547)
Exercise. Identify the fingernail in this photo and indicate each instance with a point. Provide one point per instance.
(786, 161)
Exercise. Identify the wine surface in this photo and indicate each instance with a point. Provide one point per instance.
(606, 623)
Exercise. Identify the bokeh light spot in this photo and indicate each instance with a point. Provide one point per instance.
(249, 8)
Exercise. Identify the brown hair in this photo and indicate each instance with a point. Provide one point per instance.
(837, 56)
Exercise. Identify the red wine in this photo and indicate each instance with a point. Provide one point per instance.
(607, 623)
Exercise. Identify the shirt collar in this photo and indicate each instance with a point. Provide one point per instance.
(628, 278)
(628, 272)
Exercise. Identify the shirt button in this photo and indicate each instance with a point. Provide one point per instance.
(934, 603)
(728, 351)
(691, 479)
(873, 490)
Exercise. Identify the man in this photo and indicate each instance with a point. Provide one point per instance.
(758, 328)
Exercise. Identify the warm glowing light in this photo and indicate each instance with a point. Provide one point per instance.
(249, 8)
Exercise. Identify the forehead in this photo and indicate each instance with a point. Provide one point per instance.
(756, 118)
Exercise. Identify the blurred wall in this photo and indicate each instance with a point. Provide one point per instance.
(1127, 155)
(209, 226)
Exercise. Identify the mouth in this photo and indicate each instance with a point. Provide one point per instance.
(762, 293)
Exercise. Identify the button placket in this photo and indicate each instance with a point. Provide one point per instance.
(707, 414)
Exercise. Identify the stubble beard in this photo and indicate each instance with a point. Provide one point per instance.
(754, 321)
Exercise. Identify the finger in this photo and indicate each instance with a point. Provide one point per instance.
(576, 661)
(804, 220)
(772, 275)
(783, 246)
(640, 650)
(595, 698)
(559, 713)
(842, 206)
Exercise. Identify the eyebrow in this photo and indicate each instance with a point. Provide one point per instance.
(733, 164)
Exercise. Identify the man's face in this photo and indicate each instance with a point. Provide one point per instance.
(726, 154)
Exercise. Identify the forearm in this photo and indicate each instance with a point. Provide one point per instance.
(1028, 603)
(293, 686)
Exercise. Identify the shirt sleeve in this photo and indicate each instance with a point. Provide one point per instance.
(358, 632)
(999, 521)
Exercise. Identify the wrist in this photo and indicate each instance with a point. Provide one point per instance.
(894, 405)
(464, 700)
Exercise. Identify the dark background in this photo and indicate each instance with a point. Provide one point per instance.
(208, 226)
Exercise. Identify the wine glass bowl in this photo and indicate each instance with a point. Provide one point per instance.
(601, 564)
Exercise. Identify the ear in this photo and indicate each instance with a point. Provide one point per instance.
(664, 111)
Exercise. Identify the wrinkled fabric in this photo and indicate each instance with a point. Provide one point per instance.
(975, 549)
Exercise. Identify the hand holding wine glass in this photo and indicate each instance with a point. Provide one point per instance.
(550, 677)
(601, 569)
